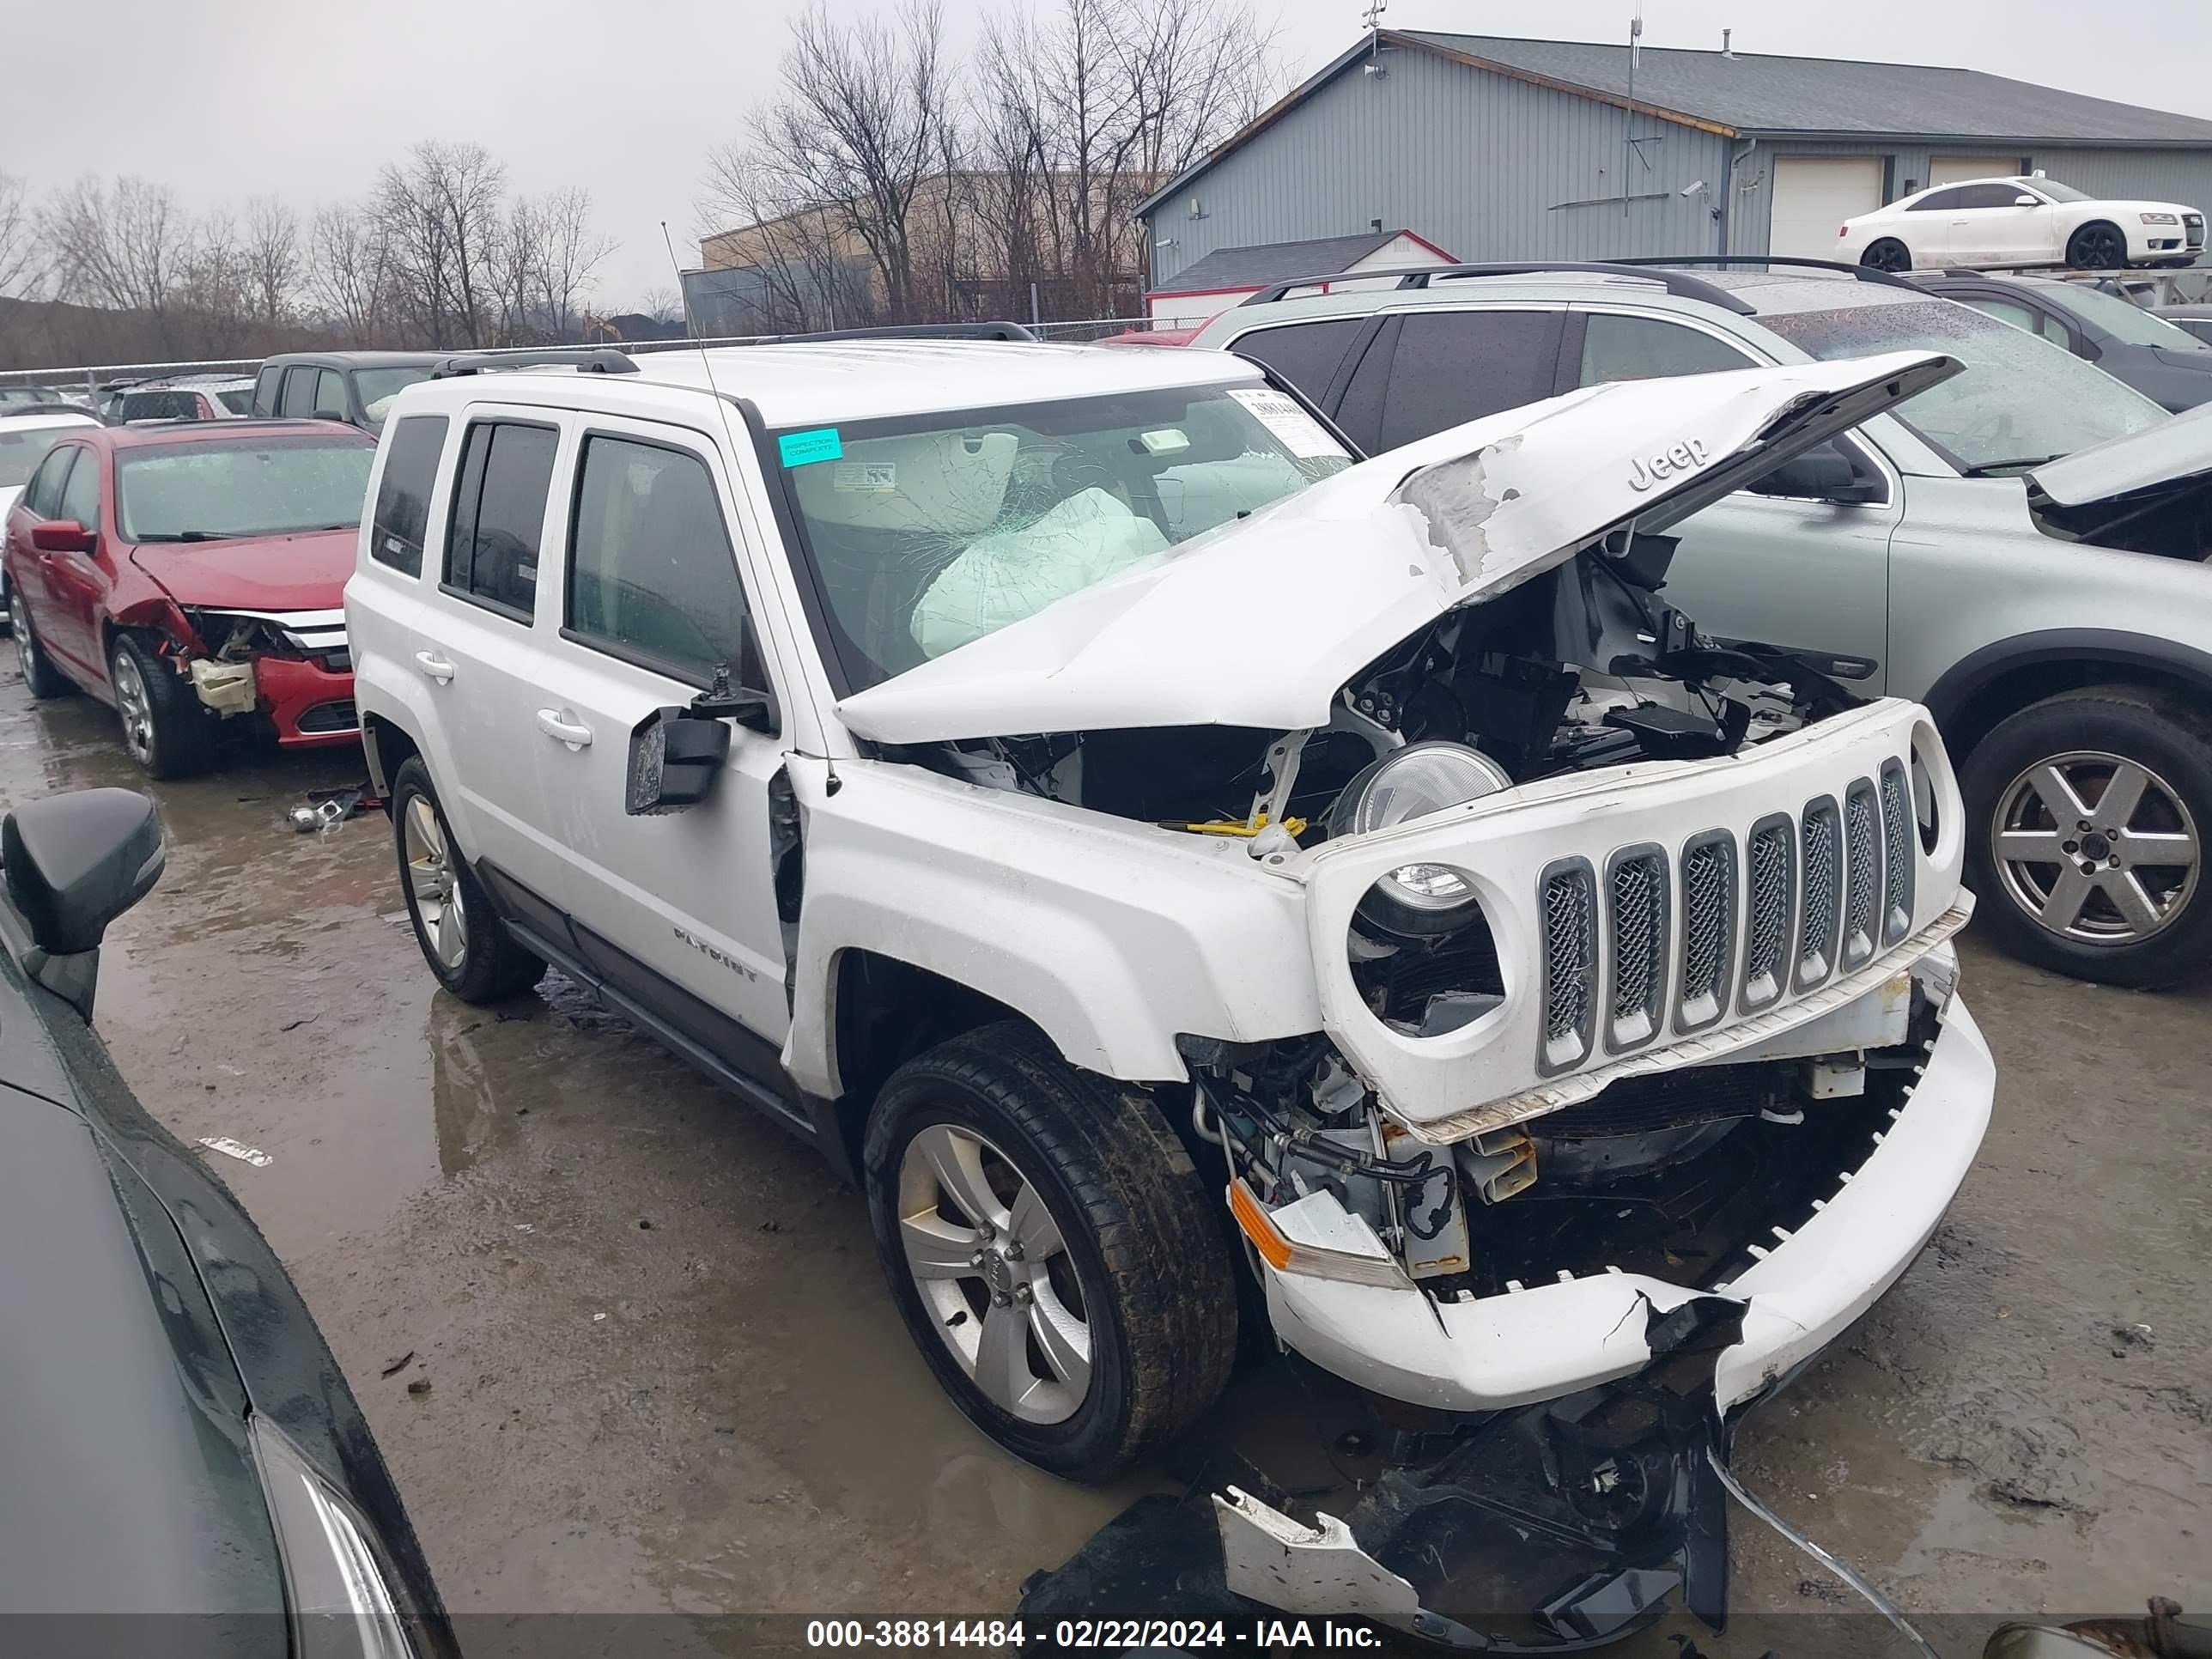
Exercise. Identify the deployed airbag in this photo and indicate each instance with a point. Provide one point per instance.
(1010, 574)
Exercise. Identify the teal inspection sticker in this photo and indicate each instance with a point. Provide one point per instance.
(803, 448)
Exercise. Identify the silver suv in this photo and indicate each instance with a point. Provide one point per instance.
(2021, 548)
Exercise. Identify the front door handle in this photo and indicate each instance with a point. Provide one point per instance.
(435, 666)
(561, 723)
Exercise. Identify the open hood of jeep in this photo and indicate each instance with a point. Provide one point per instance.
(1258, 623)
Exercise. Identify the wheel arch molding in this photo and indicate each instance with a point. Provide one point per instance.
(1986, 685)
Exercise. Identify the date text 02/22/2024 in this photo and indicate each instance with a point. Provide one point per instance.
(1109, 1634)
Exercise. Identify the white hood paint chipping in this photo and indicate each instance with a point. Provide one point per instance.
(1259, 623)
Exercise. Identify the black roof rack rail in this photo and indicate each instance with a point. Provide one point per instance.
(592, 360)
(1009, 332)
(1864, 273)
(1685, 288)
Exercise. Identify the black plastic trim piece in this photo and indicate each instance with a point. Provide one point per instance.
(1864, 273)
(592, 360)
(1964, 680)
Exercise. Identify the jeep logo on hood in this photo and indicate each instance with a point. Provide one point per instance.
(1684, 456)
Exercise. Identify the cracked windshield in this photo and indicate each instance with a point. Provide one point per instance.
(931, 531)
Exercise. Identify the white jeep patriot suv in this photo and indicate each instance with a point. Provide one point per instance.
(1144, 849)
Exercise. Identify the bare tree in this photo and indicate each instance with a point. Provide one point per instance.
(568, 252)
(348, 272)
(20, 267)
(853, 135)
(274, 256)
(440, 218)
(126, 249)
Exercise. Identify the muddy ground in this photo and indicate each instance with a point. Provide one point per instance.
(663, 1375)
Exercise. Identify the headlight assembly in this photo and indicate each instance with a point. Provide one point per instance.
(341, 1606)
(1417, 901)
(2159, 218)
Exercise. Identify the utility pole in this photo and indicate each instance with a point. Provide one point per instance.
(1628, 137)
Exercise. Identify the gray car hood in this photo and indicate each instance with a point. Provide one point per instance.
(1259, 622)
(2174, 451)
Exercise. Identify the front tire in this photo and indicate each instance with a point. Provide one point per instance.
(461, 936)
(2088, 814)
(165, 726)
(2097, 246)
(1049, 1243)
(1888, 254)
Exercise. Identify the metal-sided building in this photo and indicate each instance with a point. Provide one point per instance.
(1504, 148)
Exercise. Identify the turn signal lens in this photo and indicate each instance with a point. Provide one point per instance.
(1286, 1255)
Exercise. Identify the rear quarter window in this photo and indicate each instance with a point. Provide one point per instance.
(401, 514)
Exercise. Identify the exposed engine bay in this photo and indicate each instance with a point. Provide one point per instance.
(1580, 668)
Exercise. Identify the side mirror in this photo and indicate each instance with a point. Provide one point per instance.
(63, 536)
(1822, 474)
(2026, 201)
(75, 862)
(676, 753)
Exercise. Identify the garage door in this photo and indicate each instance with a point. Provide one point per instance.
(1952, 169)
(1813, 194)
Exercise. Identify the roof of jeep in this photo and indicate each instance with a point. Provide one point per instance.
(861, 379)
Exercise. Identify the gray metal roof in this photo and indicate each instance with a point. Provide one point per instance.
(1276, 262)
(1752, 91)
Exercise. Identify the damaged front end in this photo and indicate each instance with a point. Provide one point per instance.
(293, 669)
(1640, 1073)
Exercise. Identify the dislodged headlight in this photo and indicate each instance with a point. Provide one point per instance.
(1416, 900)
(2159, 218)
(341, 1606)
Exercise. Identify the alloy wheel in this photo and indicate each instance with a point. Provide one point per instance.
(2096, 848)
(990, 1264)
(27, 650)
(2099, 247)
(136, 706)
(431, 884)
(1888, 256)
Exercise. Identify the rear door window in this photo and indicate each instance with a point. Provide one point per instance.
(264, 391)
(652, 575)
(1617, 348)
(411, 450)
(1304, 354)
(499, 515)
(330, 393)
(299, 390)
(1455, 366)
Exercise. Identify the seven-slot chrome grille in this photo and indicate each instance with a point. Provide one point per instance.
(1731, 918)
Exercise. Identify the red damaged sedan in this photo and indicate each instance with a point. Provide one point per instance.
(193, 577)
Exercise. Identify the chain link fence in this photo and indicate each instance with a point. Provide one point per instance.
(89, 380)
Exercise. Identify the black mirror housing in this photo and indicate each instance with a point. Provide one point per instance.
(75, 862)
(675, 755)
(1822, 474)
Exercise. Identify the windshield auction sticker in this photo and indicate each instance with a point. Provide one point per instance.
(1295, 429)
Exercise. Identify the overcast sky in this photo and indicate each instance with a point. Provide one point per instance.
(228, 98)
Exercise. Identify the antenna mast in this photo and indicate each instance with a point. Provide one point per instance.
(1628, 138)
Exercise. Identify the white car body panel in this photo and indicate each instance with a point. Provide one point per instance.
(1283, 606)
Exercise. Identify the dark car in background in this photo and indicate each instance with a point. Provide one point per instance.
(2166, 363)
(193, 573)
(2196, 319)
(185, 398)
(175, 1437)
(353, 386)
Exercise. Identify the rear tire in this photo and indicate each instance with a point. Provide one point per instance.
(1099, 1236)
(45, 681)
(1888, 254)
(165, 728)
(461, 936)
(2143, 923)
(2097, 246)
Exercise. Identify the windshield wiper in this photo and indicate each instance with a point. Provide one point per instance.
(186, 536)
(1990, 469)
